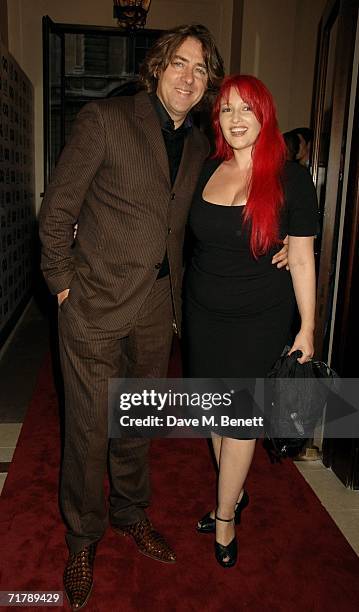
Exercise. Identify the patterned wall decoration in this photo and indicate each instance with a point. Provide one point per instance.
(16, 188)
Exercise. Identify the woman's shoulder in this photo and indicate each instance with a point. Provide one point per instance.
(297, 180)
(294, 172)
(209, 167)
(301, 201)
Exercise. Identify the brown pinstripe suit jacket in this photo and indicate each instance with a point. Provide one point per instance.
(113, 178)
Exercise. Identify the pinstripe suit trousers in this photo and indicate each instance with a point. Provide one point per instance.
(89, 357)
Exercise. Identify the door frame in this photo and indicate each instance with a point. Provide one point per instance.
(50, 27)
(343, 13)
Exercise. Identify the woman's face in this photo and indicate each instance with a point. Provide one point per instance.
(240, 126)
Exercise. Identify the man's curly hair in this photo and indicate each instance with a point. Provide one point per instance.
(163, 50)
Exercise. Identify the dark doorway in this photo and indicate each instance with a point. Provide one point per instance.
(84, 63)
(335, 170)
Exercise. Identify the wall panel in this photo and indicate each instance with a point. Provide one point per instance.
(16, 187)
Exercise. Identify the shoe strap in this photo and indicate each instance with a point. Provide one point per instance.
(218, 518)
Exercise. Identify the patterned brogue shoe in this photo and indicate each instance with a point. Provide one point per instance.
(149, 541)
(78, 577)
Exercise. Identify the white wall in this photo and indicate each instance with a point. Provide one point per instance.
(217, 16)
(278, 46)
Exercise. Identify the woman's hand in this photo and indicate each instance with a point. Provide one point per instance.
(304, 342)
(280, 259)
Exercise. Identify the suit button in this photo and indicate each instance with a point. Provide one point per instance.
(158, 265)
(170, 230)
(173, 195)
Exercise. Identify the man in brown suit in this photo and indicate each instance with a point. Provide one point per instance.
(126, 176)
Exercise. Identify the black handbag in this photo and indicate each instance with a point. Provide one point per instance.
(295, 397)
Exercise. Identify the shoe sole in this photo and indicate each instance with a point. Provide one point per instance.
(84, 603)
(227, 566)
(171, 562)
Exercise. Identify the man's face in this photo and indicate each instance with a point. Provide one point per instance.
(182, 85)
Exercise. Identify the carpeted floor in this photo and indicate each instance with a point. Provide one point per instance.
(292, 555)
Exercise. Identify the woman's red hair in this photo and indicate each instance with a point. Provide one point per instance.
(269, 153)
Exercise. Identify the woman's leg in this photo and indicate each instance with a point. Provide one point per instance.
(234, 463)
(217, 445)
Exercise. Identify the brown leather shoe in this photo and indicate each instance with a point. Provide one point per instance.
(149, 541)
(78, 577)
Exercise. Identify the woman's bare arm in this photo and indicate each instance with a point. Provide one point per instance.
(302, 269)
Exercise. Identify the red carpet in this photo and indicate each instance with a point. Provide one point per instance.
(292, 556)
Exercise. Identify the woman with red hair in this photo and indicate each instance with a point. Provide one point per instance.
(238, 306)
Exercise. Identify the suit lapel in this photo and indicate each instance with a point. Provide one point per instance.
(188, 160)
(150, 125)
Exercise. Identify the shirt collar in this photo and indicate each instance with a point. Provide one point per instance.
(166, 121)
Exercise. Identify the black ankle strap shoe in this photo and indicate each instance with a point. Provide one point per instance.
(207, 524)
(226, 555)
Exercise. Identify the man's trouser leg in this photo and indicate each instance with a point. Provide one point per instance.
(88, 361)
(148, 351)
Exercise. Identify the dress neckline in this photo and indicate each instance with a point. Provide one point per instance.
(216, 164)
(223, 205)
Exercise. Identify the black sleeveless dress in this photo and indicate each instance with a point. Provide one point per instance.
(238, 310)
